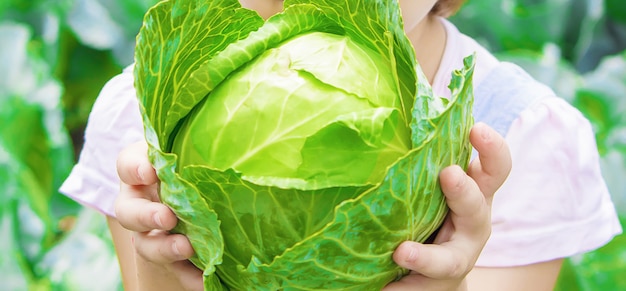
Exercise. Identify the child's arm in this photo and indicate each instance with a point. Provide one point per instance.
(139, 273)
(538, 276)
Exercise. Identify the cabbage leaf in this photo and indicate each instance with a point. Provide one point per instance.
(299, 151)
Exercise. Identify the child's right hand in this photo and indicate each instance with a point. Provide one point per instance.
(139, 210)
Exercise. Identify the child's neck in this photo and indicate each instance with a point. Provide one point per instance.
(429, 40)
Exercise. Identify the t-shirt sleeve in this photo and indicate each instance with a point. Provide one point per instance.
(113, 123)
(555, 202)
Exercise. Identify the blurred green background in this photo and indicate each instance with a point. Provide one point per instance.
(55, 56)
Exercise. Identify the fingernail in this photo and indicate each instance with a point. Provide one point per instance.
(460, 178)
(486, 134)
(175, 249)
(157, 220)
(412, 257)
(140, 174)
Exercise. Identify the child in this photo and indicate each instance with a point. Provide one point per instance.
(554, 203)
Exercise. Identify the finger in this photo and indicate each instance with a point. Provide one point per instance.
(469, 210)
(189, 275)
(433, 261)
(493, 164)
(141, 214)
(135, 207)
(162, 247)
(134, 167)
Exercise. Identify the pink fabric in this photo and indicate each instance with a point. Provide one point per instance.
(554, 204)
(114, 123)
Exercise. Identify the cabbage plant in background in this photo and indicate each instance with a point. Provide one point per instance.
(297, 149)
(84, 42)
(35, 156)
(51, 76)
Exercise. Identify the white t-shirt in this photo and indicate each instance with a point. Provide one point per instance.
(554, 204)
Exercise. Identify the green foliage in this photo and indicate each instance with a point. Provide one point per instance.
(601, 99)
(580, 29)
(615, 10)
(279, 129)
(56, 56)
(49, 81)
(524, 24)
(84, 43)
(35, 156)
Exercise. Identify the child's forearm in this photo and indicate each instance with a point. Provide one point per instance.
(125, 254)
(539, 277)
(137, 273)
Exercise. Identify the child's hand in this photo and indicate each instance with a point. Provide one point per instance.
(139, 210)
(444, 264)
(440, 266)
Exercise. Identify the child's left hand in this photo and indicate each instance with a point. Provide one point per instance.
(444, 264)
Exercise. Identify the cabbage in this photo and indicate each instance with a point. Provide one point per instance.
(300, 151)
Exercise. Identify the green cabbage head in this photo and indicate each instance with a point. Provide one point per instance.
(299, 151)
